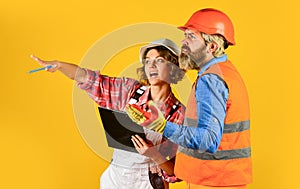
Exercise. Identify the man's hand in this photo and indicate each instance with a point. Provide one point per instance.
(153, 119)
(137, 114)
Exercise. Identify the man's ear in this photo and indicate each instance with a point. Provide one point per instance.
(212, 47)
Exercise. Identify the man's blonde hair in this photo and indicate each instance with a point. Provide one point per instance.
(222, 44)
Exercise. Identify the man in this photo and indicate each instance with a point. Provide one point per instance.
(214, 143)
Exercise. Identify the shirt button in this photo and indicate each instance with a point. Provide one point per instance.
(214, 120)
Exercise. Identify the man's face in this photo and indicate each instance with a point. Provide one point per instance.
(193, 51)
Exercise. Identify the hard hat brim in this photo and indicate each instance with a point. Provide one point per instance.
(183, 28)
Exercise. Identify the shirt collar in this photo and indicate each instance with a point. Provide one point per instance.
(213, 61)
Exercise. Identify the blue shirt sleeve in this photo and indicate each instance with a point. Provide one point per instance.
(211, 97)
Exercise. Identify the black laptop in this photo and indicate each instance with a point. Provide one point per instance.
(119, 128)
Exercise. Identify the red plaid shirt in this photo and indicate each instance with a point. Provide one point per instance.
(115, 92)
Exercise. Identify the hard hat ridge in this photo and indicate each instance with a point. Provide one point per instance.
(167, 43)
(211, 21)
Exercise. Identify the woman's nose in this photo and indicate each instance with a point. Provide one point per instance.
(152, 63)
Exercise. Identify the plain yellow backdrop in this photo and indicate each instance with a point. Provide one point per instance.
(40, 144)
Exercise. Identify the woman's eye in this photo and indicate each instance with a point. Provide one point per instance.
(160, 60)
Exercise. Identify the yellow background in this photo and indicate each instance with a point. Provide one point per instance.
(39, 141)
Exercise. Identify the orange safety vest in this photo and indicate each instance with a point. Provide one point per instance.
(231, 164)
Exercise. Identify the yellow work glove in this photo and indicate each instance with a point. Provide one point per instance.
(153, 119)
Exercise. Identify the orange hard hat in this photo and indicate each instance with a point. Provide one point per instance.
(211, 21)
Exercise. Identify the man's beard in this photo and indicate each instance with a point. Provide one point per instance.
(192, 60)
(186, 63)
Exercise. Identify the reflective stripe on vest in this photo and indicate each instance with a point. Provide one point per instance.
(219, 155)
(228, 128)
(231, 163)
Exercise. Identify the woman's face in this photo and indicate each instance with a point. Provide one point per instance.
(156, 68)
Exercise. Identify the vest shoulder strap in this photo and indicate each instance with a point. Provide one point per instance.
(137, 94)
(173, 110)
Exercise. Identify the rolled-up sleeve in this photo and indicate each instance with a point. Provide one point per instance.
(109, 92)
(91, 78)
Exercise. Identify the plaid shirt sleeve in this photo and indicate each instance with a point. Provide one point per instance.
(109, 92)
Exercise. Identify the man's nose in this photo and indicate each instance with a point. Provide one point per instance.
(184, 42)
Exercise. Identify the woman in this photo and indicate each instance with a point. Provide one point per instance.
(159, 70)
